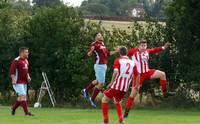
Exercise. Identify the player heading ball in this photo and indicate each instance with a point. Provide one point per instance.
(101, 54)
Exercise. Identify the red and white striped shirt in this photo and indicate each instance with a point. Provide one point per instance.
(141, 58)
(126, 69)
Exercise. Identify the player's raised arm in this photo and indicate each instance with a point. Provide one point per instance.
(114, 51)
(91, 51)
(158, 49)
(132, 51)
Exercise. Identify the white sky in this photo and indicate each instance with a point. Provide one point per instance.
(73, 2)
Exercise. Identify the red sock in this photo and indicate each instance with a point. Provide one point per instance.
(90, 86)
(16, 105)
(104, 107)
(119, 111)
(130, 102)
(163, 84)
(24, 106)
(95, 93)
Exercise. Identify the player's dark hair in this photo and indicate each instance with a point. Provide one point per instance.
(97, 33)
(142, 41)
(123, 51)
(21, 49)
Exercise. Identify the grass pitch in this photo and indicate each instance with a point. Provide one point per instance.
(94, 116)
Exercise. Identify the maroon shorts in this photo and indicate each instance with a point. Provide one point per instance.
(116, 94)
(144, 76)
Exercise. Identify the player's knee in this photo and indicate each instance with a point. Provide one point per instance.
(163, 75)
(104, 100)
(94, 82)
(18, 98)
(116, 103)
(100, 85)
(23, 97)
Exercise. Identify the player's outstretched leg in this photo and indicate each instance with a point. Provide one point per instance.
(163, 82)
(130, 101)
(85, 91)
(96, 91)
(93, 103)
(85, 94)
(93, 97)
(129, 104)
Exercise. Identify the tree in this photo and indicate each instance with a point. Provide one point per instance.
(112, 7)
(95, 9)
(54, 38)
(12, 22)
(183, 25)
(46, 2)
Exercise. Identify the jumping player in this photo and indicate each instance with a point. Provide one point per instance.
(19, 72)
(140, 55)
(124, 70)
(100, 66)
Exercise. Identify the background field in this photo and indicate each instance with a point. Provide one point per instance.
(122, 25)
(93, 116)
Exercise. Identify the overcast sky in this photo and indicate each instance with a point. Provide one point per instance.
(74, 2)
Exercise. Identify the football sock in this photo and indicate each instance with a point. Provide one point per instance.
(129, 102)
(104, 107)
(16, 105)
(95, 93)
(163, 84)
(24, 106)
(90, 86)
(119, 111)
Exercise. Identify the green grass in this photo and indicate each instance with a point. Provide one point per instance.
(94, 116)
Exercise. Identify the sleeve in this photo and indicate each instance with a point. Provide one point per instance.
(13, 67)
(132, 51)
(155, 50)
(135, 71)
(91, 45)
(116, 64)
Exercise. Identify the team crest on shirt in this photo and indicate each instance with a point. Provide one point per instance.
(25, 66)
(145, 57)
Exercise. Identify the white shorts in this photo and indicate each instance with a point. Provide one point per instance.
(100, 72)
(20, 89)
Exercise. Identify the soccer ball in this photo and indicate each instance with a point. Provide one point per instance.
(37, 105)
